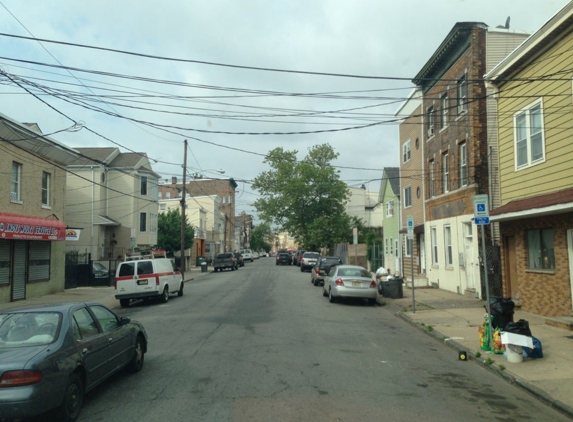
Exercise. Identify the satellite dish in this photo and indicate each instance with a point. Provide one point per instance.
(506, 26)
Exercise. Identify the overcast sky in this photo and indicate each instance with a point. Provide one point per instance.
(231, 113)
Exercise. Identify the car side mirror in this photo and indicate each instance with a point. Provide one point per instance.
(124, 320)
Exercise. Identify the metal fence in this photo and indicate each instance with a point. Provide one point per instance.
(493, 257)
(82, 271)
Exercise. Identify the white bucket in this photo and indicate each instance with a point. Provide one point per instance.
(514, 353)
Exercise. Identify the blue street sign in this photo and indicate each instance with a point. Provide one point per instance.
(481, 220)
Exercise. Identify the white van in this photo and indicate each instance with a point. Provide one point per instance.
(247, 255)
(147, 278)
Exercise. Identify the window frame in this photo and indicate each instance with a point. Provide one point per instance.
(408, 196)
(143, 222)
(448, 250)
(463, 163)
(446, 172)
(527, 128)
(390, 208)
(406, 151)
(46, 177)
(432, 187)
(16, 184)
(409, 246)
(431, 121)
(434, 245)
(445, 110)
(462, 94)
(143, 185)
(547, 260)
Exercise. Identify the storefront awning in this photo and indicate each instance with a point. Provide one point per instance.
(20, 227)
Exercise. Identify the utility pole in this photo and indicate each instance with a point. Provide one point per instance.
(183, 203)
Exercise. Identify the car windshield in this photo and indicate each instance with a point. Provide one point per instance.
(28, 328)
(327, 262)
(311, 255)
(99, 267)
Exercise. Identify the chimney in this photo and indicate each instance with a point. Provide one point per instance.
(363, 187)
(174, 180)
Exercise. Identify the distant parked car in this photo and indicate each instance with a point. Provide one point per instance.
(99, 270)
(297, 258)
(308, 260)
(256, 255)
(50, 356)
(283, 258)
(239, 259)
(247, 254)
(321, 268)
(345, 281)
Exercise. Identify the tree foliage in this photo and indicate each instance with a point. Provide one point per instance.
(169, 231)
(305, 198)
(260, 236)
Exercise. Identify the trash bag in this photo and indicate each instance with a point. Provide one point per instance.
(500, 305)
(536, 352)
(519, 327)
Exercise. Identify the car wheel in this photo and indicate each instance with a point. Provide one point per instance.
(124, 303)
(70, 408)
(315, 282)
(331, 298)
(180, 292)
(165, 295)
(232, 268)
(324, 292)
(301, 269)
(136, 362)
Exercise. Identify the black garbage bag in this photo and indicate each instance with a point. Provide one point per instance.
(500, 305)
(519, 327)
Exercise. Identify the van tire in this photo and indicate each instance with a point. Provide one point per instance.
(165, 295)
(180, 291)
(124, 303)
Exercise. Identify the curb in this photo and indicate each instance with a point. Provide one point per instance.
(505, 374)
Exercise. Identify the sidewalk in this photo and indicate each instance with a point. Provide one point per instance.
(103, 295)
(454, 319)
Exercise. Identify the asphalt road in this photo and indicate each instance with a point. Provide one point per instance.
(263, 344)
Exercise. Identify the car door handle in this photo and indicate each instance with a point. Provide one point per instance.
(85, 351)
(110, 339)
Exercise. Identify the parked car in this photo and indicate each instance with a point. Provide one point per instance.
(147, 278)
(283, 258)
(263, 254)
(345, 281)
(256, 255)
(322, 267)
(99, 270)
(297, 258)
(247, 254)
(240, 260)
(51, 356)
(224, 261)
(308, 260)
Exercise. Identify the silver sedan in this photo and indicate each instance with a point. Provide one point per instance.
(349, 281)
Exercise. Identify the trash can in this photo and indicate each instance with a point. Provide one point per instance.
(395, 288)
(384, 288)
(200, 259)
(502, 311)
(203, 266)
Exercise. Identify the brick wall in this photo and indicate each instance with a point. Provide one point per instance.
(546, 293)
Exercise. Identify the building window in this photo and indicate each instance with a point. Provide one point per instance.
(445, 109)
(430, 121)
(16, 183)
(463, 165)
(529, 140)
(540, 254)
(162, 207)
(143, 185)
(448, 246)
(409, 246)
(446, 172)
(396, 248)
(407, 196)
(45, 189)
(406, 152)
(142, 222)
(434, 246)
(167, 195)
(386, 246)
(462, 95)
(432, 179)
(389, 208)
(391, 246)
(39, 261)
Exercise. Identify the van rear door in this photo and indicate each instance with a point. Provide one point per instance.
(146, 280)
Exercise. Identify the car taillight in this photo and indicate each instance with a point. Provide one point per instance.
(20, 378)
(317, 270)
(339, 282)
(373, 284)
(157, 281)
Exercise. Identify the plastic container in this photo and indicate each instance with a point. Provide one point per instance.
(204, 267)
(395, 287)
(514, 353)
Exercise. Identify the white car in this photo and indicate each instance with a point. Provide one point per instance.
(247, 255)
(256, 255)
(349, 281)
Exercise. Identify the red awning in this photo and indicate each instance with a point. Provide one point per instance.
(20, 227)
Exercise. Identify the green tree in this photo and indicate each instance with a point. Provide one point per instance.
(259, 237)
(169, 231)
(305, 198)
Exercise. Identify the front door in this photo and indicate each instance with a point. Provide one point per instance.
(469, 257)
(422, 254)
(511, 266)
